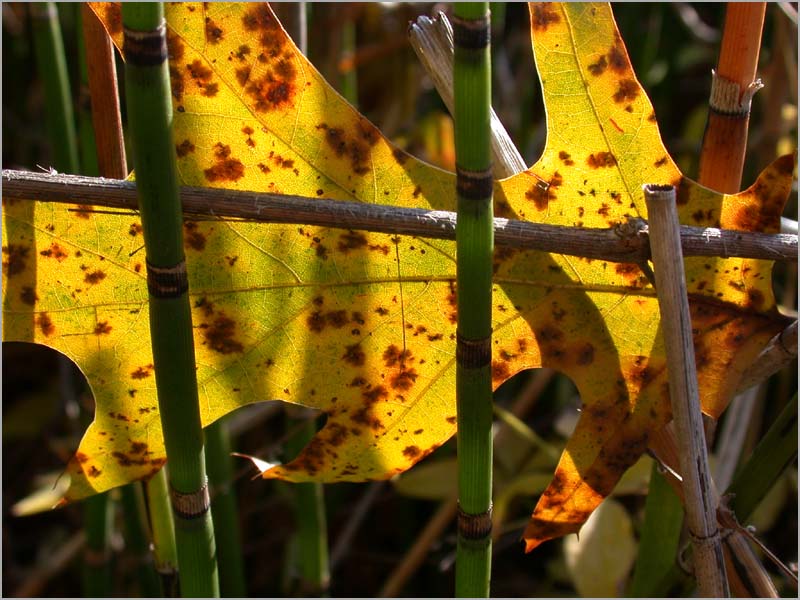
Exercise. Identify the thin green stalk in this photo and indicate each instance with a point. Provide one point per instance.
(224, 508)
(309, 558)
(660, 539)
(88, 147)
(52, 66)
(150, 126)
(474, 247)
(776, 451)
(162, 526)
(98, 511)
(137, 539)
(349, 77)
(98, 518)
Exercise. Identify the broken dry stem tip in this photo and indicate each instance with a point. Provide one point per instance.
(676, 328)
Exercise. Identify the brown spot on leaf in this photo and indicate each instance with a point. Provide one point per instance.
(199, 72)
(393, 356)
(243, 74)
(661, 161)
(45, 324)
(617, 59)
(94, 277)
(94, 471)
(260, 17)
(354, 355)
(139, 448)
(220, 333)
(599, 67)
(214, 33)
(755, 298)
(585, 354)
(184, 148)
(351, 240)
(194, 238)
(541, 192)
(404, 380)
(640, 372)
(543, 15)
(601, 159)
(16, 259)
(400, 156)
(411, 452)
(28, 296)
(356, 148)
(142, 372)
(102, 328)
(54, 251)
(270, 91)
(500, 371)
(226, 169)
(630, 271)
(566, 158)
(337, 318)
(627, 90)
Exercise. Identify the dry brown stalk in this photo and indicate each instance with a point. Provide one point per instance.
(700, 506)
(626, 243)
(102, 75)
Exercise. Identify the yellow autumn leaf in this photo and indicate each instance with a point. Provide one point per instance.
(362, 325)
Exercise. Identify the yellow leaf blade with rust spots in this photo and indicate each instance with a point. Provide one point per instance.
(361, 325)
(603, 144)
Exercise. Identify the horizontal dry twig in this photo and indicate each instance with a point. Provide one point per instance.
(628, 242)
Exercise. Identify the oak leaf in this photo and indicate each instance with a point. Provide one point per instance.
(362, 325)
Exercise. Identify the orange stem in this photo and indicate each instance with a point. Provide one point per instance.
(725, 139)
(102, 74)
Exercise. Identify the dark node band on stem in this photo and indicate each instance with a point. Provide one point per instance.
(167, 282)
(475, 527)
(145, 48)
(473, 354)
(474, 185)
(192, 505)
(471, 34)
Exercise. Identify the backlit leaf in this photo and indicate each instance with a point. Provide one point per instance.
(362, 325)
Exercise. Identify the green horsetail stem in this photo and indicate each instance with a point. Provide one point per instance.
(150, 125)
(474, 248)
(52, 64)
(162, 526)
(232, 583)
(774, 453)
(98, 511)
(137, 540)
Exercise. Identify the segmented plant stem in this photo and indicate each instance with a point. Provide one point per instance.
(137, 539)
(232, 583)
(474, 248)
(732, 88)
(162, 525)
(150, 125)
(52, 65)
